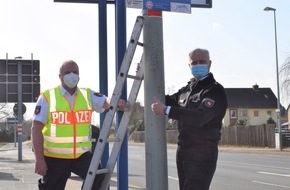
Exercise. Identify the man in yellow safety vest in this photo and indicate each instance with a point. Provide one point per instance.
(61, 129)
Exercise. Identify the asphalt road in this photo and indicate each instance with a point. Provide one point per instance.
(238, 169)
(241, 169)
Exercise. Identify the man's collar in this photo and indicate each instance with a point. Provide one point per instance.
(63, 90)
(194, 80)
(204, 77)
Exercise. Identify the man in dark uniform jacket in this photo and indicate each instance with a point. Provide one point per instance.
(199, 107)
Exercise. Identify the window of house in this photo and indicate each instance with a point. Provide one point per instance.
(269, 113)
(256, 113)
(233, 114)
(244, 113)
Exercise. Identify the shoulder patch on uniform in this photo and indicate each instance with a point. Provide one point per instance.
(209, 102)
(98, 94)
(37, 110)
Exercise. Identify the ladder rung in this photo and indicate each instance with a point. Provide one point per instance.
(140, 44)
(113, 140)
(102, 171)
(134, 77)
(122, 130)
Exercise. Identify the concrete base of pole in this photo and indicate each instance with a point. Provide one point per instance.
(277, 141)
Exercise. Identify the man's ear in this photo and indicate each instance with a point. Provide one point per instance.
(209, 64)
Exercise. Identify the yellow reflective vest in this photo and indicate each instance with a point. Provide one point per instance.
(66, 134)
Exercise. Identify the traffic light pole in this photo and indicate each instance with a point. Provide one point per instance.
(155, 138)
(19, 115)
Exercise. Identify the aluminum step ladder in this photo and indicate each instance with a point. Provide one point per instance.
(122, 129)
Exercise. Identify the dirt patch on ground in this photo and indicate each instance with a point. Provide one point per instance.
(2, 143)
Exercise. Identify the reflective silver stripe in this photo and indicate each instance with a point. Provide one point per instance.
(52, 109)
(85, 94)
(53, 130)
(52, 100)
(65, 139)
(66, 150)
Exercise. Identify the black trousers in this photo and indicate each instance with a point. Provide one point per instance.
(59, 170)
(196, 166)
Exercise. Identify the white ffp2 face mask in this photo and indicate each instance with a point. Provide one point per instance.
(71, 80)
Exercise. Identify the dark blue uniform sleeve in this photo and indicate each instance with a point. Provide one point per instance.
(211, 108)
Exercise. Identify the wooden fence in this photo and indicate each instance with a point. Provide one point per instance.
(251, 136)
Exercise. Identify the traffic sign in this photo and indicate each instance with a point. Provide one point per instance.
(15, 109)
(139, 3)
(183, 6)
(83, 1)
(11, 120)
(9, 76)
(9, 66)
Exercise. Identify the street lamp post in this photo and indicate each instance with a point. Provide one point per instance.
(277, 75)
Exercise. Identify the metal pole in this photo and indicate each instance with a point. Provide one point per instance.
(121, 41)
(19, 115)
(277, 76)
(278, 86)
(155, 133)
(103, 64)
(15, 130)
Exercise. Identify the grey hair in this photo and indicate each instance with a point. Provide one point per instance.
(68, 62)
(200, 50)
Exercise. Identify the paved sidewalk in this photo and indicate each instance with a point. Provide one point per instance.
(17, 175)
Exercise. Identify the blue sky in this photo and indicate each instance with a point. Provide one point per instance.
(238, 34)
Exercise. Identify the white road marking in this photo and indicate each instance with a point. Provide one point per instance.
(137, 187)
(276, 174)
(174, 178)
(6, 168)
(256, 165)
(271, 184)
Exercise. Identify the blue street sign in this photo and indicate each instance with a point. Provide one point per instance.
(182, 6)
(83, 1)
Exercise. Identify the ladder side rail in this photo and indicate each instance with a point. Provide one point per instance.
(99, 149)
(123, 126)
(120, 81)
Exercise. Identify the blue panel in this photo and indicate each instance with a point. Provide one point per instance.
(163, 5)
(83, 1)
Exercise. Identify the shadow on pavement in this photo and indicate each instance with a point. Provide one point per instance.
(7, 176)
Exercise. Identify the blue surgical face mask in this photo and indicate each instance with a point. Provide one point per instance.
(199, 70)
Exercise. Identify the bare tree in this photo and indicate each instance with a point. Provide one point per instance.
(4, 111)
(285, 80)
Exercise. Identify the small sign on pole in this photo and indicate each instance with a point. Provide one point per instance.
(182, 6)
(154, 13)
(19, 129)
